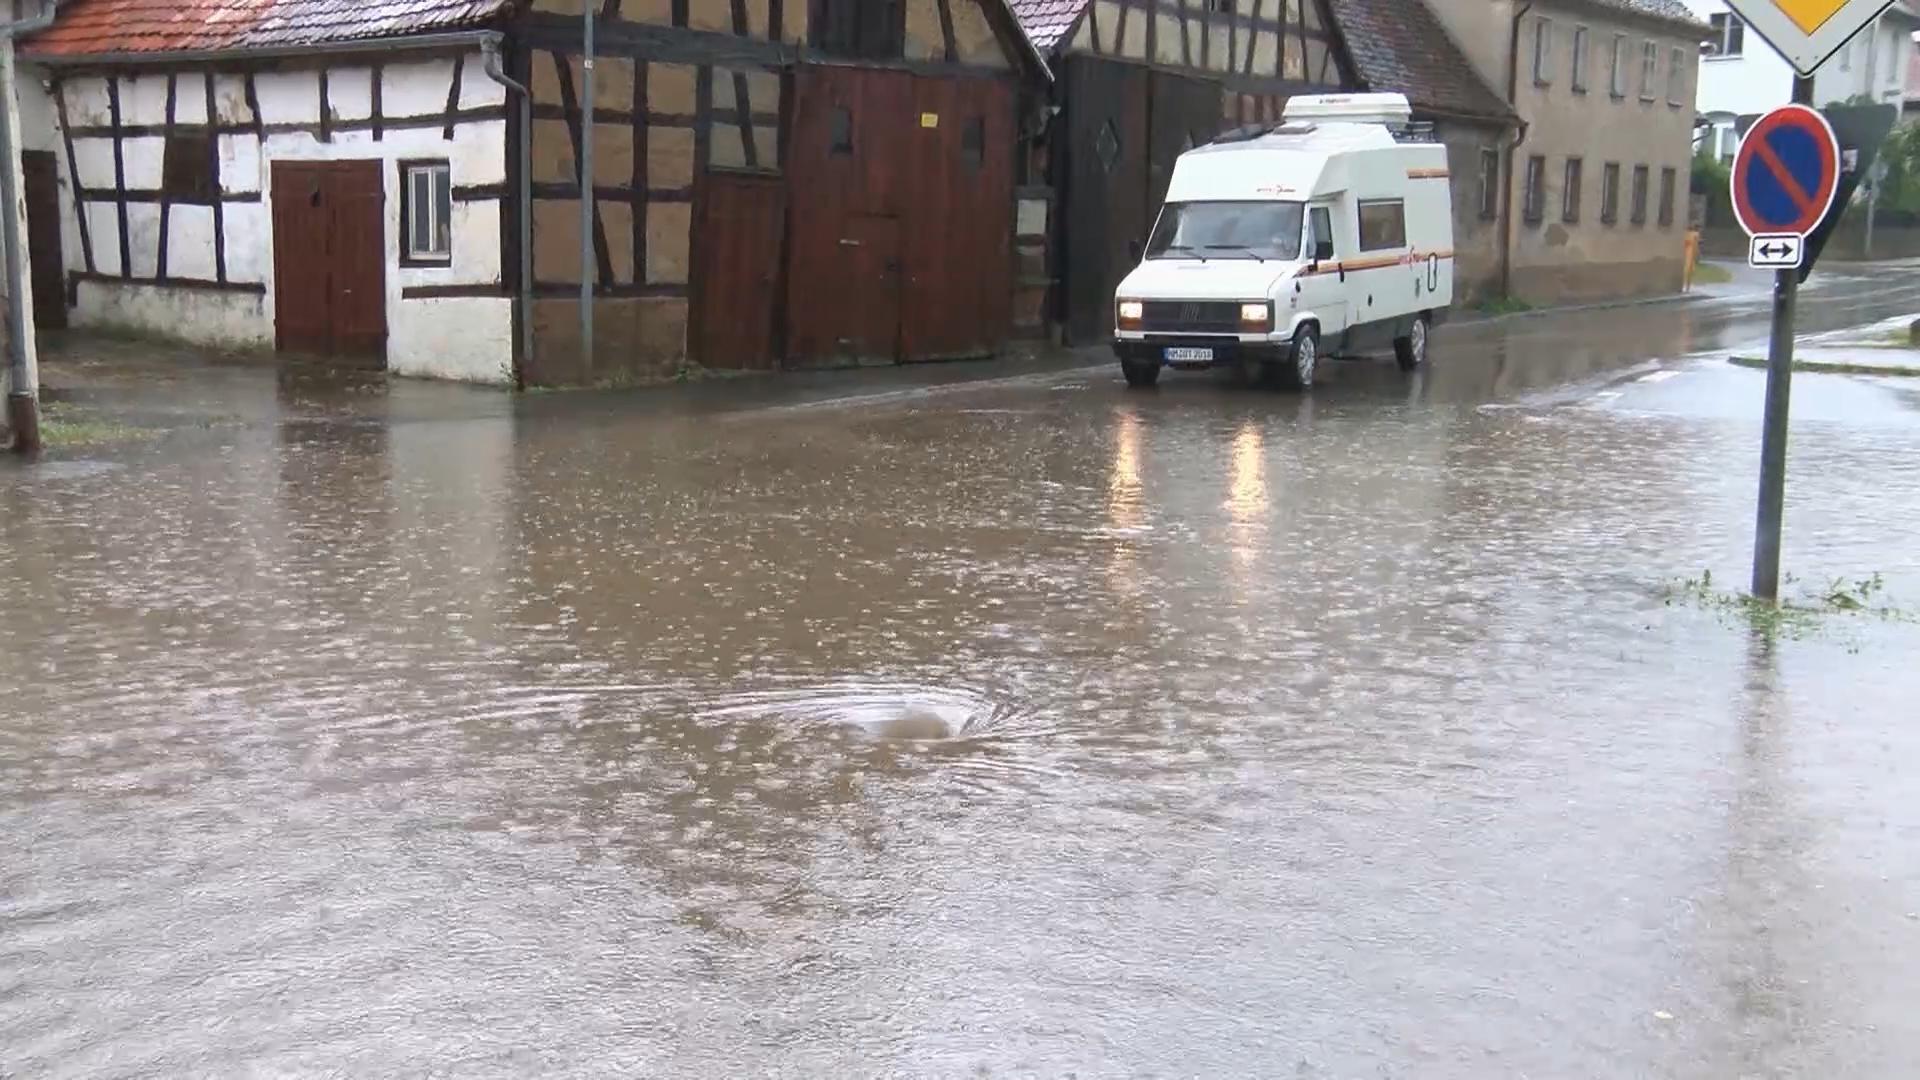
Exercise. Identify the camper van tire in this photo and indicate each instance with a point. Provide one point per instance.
(1303, 358)
(1139, 374)
(1411, 350)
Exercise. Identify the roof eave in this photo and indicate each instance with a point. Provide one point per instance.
(452, 39)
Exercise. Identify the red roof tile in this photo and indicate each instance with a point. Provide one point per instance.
(94, 27)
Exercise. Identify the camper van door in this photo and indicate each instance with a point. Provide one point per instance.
(1322, 293)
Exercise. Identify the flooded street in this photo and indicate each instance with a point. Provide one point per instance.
(883, 724)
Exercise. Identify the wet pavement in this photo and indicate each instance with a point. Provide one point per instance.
(897, 724)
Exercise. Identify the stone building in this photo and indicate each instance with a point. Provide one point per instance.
(1595, 197)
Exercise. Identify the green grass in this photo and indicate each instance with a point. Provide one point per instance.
(1707, 273)
(66, 427)
(1503, 305)
(1794, 618)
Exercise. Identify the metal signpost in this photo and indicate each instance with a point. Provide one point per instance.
(1785, 179)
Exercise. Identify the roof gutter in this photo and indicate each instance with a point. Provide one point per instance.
(1513, 160)
(462, 39)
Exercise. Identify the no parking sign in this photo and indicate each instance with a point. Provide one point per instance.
(1784, 181)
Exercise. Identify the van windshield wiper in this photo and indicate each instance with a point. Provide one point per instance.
(1237, 247)
(1185, 248)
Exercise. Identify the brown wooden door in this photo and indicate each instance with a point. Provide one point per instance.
(959, 257)
(46, 258)
(870, 328)
(1106, 197)
(329, 259)
(740, 229)
(845, 167)
(1182, 113)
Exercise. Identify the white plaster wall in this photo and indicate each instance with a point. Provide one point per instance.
(467, 338)
(224, 320)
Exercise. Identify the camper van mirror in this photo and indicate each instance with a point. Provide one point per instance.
(1133, 250)
(1322, 250)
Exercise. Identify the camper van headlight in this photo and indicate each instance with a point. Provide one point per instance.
(1131, 312)
(1257, 316)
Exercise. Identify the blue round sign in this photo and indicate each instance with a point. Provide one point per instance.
(1786, 173)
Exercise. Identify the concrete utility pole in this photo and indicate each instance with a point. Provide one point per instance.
(1773, 435)
(23, 376)
(588, 269)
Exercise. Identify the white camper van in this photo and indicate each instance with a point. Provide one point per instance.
(1331, 232)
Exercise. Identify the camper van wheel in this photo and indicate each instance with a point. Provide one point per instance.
(1411, 350)
(1140, 374)
(1303, 359)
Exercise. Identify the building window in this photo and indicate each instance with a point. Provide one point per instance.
(860, 29)
(1570, 195)
(973, 144)
(1610, 193)
(1489, 184)
(1846, 56)
(1534, 207)
(1224, 7)
(1669, 179)
(840, 132)
(1383, 224)
(1677, 78)
(1649, 69)
(1729, 143)
(187, 168)
(1729, 36)
(426, 211)
(1639, 194)
(1579, 78)
(1542, 51)
(1619, 73)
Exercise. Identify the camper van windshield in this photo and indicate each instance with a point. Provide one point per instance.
(1227, 230)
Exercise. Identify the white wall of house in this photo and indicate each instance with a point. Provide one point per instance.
(1757, 78)
(465, 338)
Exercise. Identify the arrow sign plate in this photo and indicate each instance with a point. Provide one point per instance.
(1776, 251)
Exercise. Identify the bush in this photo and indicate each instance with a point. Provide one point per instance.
(1712, 178)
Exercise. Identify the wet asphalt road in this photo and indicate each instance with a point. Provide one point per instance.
(893, 725)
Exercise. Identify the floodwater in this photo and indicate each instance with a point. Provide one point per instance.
(1028, 728)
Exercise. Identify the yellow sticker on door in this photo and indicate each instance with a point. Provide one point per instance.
(929, 119)
(1810, 15)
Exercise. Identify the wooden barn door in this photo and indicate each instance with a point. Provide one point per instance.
(47, 261)
(1106, 190)
(845, 165)
(904, 247)
(1126, 126)
(329, 259)
(959, 290)
(740, 226)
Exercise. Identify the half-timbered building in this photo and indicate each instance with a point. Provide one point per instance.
(773, 182)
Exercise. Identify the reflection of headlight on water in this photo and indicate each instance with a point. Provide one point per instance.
(1123, 485)
(1247, 495)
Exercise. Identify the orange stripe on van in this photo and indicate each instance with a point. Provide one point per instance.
(1379, 263)
(1427, 174)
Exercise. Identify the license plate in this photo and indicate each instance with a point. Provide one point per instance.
(1189, 356)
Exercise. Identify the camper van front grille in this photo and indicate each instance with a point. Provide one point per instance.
(1191, 317)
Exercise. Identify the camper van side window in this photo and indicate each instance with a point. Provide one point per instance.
(1383, 224)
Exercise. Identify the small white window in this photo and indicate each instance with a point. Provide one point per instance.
(1649, 69)
(429, 211)
(1677, 78)
(1543, 51)
(1579, 81)
(1619, 86)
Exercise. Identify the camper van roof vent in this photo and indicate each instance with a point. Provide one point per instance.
(1390, 109)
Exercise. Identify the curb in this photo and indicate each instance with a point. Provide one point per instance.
(1828, 367)
(1604, 305)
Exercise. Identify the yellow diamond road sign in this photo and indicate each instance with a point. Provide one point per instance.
(1808, 32)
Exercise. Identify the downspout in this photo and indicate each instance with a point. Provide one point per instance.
(490, 49)
(23, 391)
(1506, 190)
